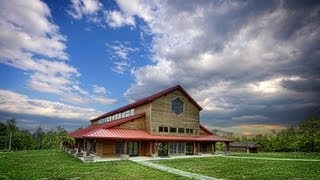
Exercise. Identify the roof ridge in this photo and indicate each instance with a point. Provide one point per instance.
(146, 100)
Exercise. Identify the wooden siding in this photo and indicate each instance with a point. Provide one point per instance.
(106, 148)
(146, 108)
(163, 116)
(134, 124)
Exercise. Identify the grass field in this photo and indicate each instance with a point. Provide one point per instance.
(54, 164)
(290, 155)
(230, 168)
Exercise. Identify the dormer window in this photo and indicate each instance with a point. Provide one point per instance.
(177, 106)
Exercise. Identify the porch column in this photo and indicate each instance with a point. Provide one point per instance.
(88, 147)
(125, 147)
(214, 148)
(227, 149)
(79, 145)
(198, 148)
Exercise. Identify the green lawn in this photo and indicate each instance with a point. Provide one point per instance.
(230, 168)
(54, 164)
(290, 155)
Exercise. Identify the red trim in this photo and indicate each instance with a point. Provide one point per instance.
(134, 134)
(147, 100)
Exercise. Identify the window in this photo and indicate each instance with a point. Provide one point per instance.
(189, 131)
(177, 106)
(163, 129)
(181, 130)
(177, 148)
(173, 129)
(119, 148)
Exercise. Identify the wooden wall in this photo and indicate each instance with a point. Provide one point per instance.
(161, 115)
(138, 123)
(146, 108)
(106, 148)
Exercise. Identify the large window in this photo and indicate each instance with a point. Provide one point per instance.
(177, 106)
(177, 148)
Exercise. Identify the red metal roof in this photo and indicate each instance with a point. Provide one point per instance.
(205, 129)
(147, 100)
(80, 132)
(134, 134)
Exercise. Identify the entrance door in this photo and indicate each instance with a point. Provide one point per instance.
(189, 149)
(204, 148)
(163, 149)
(133, 148)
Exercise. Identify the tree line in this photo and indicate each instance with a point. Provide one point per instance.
(13, 138)
(304, 137)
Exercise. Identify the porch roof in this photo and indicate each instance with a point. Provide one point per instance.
(134, 134)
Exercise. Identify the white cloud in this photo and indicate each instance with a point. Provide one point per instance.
(22, 104)
(79, 8)
(119, 53)
(99, 89)
(116, 19)
(30, 41)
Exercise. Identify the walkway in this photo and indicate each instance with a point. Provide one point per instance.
(172, 170)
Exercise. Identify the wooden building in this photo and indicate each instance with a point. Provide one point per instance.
(249, 147)
(164, 124)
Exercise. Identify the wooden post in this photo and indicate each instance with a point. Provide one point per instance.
(227, 149)
(79, 146)
(125, 147)
(88, 147)
(214, 148)
(198, 147)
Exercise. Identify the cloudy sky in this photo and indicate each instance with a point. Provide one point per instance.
(252, 65)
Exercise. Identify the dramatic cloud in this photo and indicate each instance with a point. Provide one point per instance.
(18, 103)
(30, 41)
(250, 60)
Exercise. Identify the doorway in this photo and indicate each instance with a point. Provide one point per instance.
(189, 148)
(133, 148)
(163, 149)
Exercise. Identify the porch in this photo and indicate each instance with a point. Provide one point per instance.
(99, 149)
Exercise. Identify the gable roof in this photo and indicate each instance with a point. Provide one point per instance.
(106, 131)
(245, 144)
(81, 132)
(147, 100)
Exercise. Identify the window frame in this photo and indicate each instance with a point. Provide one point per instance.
(171, 106)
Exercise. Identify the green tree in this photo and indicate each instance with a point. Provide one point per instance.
(12, 128)
(309, 132)
(55, 138)
(38, 137)
(22, 140)
(3, 136)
